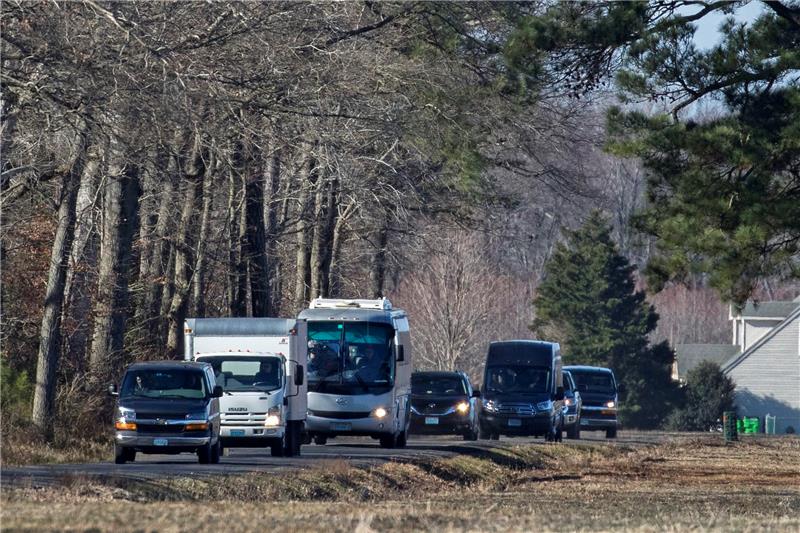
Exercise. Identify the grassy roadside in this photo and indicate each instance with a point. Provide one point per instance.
(699, 484)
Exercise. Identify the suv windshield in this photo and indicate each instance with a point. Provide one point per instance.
(437, 386)
(349, 357)
(242, 373)
(164, 383)
(517, 379)
(602, 382)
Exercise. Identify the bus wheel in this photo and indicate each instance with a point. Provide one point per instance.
(320, 440)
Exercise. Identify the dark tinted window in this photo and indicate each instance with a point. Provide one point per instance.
(437, 386)
(164, 383)
(517, 379)
(587, 381)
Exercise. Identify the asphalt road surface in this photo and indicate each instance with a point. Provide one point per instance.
(355, 450)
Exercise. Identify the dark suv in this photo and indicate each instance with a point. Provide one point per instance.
(167, 407)
(443, 403)
(599, 394)
(572, 407)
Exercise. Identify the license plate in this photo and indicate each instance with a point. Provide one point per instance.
(160, 442)
(237, 433)
(431, 420)
(339, 426)
(515, 422)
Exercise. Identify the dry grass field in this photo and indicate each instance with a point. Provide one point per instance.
(698, 484)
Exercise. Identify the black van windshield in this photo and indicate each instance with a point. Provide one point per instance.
(517, 379)
(164, 383)
(602, 382)
(349, 357)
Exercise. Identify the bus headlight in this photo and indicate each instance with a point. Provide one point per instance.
(463, 408)
(380, 412)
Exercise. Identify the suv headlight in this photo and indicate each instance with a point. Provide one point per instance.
(544, 406)
(273, 417)
(569, 402)
(489, 405)
(462, 407)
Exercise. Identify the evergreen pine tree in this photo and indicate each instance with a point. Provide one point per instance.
(588, 303)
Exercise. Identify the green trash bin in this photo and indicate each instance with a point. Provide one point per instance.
(730, 425)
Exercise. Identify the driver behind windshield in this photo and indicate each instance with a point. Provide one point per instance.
(267, 374)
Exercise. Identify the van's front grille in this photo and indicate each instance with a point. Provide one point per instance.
(522, 409)
(159, 428)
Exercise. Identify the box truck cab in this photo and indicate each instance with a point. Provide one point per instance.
(260, 364)
(359, 370)
(523, 391)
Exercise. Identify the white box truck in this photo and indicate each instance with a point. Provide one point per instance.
(260, 364)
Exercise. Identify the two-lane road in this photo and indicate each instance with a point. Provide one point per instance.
(358, 452)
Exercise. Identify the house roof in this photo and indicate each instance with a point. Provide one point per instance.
(734, 361)
(769, 309)
(691, 355)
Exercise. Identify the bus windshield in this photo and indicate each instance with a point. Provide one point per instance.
(517, 379)
(347, 356)
(247, 373)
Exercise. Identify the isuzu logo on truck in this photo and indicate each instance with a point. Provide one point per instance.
(237, 409)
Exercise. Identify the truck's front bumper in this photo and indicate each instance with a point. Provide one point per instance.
(365, 427)
(250, 436)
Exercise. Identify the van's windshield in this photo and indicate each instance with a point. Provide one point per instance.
(243, 373)
(517, 379)
(349, 357)
(176, 383)
(601, 382)
(437, 386)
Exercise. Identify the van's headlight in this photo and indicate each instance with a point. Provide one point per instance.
(569, 402)
(611, 404)
(544, 406)
(126, 419)
(380, 412)
(273, 417)
(489, 405)
(462, 407)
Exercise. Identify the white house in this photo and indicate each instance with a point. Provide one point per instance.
(763, 361)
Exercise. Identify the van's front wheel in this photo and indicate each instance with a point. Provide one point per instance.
(123, 455)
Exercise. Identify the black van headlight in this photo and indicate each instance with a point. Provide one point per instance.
(489, 405)
(544, 406)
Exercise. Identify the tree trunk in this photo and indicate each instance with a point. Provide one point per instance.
(83, 257)
(120, 198)
(271, 204)
(199, 278)
(302, 271)
(185, 240)
(377, 273)
(334, 284)
(50, 331)
(256, 247)
(325, 216)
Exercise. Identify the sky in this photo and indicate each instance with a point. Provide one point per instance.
(707, 34)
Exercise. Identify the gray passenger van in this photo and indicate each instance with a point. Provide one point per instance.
(523, 391)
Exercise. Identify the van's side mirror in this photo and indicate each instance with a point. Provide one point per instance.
(401, 356)
(217, 392)
(476, 393)
(299, 375)
(112, 390)
(559, 394)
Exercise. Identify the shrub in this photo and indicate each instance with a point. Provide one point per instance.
(708, 393)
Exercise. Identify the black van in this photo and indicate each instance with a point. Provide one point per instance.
(599, 393)
(523, 391)
(167, 407)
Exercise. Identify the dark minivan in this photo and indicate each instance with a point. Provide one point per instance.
(443, 403)
(523, 391)
(167, 407)
(599, 393)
